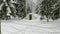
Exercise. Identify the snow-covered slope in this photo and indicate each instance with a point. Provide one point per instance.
(30, 27)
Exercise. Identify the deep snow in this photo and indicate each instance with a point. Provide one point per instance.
(37, 26)
(30, 27)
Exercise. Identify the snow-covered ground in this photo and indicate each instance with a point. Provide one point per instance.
(17, 26)
(30, 27)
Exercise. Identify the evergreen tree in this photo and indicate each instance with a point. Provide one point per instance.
(56, 11)
(4, 12)
(12, 9)
(47, 7)
(4, 9)
(20, 8)
(17, 10)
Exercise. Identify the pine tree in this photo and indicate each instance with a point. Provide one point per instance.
(20, 8)
(47, 7)
(56, 11)
(0, 7)
(17, 10)
(4, 12)
(12, 9)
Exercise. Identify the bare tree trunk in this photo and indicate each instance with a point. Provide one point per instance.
(47, 20)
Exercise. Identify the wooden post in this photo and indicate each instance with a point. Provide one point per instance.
(30, 17)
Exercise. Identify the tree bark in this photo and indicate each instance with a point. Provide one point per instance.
(48, 19)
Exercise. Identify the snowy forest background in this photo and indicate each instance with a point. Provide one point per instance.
(47, 9)
(30, 16)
